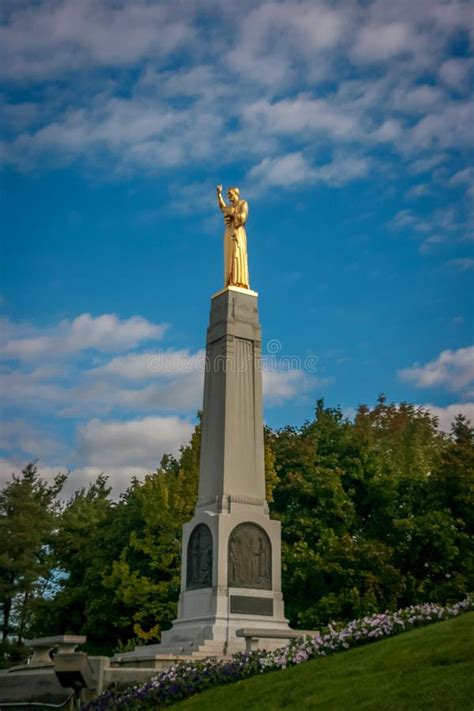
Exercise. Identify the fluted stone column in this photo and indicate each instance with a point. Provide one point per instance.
(231, 554)
(231, 549)
(232, 455)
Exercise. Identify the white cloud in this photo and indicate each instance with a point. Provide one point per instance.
(167, 364)
(294, 169)
(303, 85)
(120, 449)
(180, 394)
(119, 478)
(449, 127)
(166, 381)
(430, 243)
(282, 171)
(453, 370)
(106, 333)
(134, 443)
(427, 164)
(126, 449)
(419, 190)
(282, 385)
(302, 116)
(388, 132)
(463, 177)
(15, 465)
(35, 389)
(272, 37)
(35, 441)
(417, 99)
(139, 131)
(455, 73)
(462, 264)
(406, 219)
(441, 226)
(343, 169)
(144, 391)
(383, 42)
(78, 394)
(447, 414)
(51, 38)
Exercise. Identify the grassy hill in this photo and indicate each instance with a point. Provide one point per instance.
(428, 668)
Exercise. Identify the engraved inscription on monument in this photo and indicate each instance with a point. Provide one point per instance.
(199, 561)
(250, 558)
(244, 605)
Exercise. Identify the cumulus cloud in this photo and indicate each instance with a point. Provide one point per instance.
(455, 73)
(133, 443)
(417, 99)
(294, 169)
(78, 394)
(291, 169)
(16, 464)
(51, 38)
(304, 30)
(382, 42)
(105, 333)
(42, 369)
(281, 386)
(313, 90)
(302, 115)
(165, 363)
(447, 414)
(452, 370)
(32, 440)
(144, 391)
(449, 127)
(120, 449)
(36, 389)
(138, 132)
(150, 397)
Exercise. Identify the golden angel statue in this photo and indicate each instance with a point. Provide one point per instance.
(236, 268)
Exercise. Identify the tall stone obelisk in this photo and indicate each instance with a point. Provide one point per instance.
(231, 549)
(231, 554)
(231, 570)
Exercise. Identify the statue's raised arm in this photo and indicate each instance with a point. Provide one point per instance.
(236, 270)
(220, 199)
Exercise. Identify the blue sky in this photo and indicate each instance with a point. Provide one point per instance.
(349, 129)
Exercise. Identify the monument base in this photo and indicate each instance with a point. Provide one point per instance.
(209, 617)
(231, 562)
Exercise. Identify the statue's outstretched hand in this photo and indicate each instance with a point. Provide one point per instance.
(219, 189)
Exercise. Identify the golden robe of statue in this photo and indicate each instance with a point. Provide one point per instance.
(236, 268)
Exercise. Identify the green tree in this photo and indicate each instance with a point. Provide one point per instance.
(119, 562)
(452, 480)
(376, 513)
(28, 516)
(146, 577)
(82, 546)
(358, 524)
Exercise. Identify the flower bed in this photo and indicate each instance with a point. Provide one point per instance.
(188, 678)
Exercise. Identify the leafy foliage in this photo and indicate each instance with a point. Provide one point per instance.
(28, 516)
(376, 514)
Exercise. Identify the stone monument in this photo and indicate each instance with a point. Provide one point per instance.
(231, 570)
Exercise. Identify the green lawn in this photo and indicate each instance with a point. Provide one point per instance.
(428, 668)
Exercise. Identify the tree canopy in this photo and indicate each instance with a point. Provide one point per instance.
(376, 512)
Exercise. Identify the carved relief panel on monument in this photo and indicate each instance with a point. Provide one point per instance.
(199, 560)
(249, 558)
